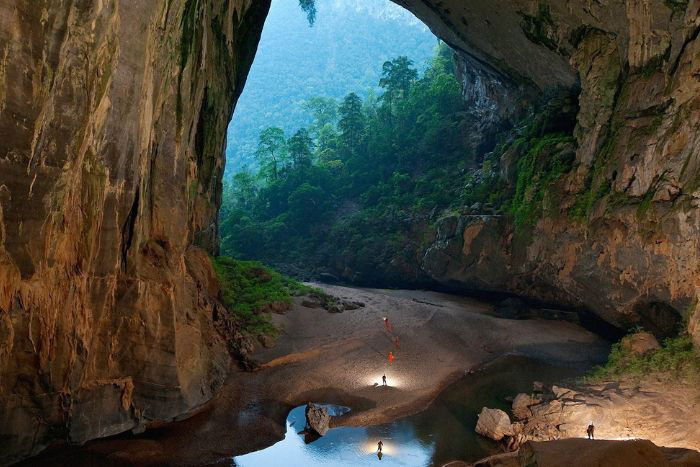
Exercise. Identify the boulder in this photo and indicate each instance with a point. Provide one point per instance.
(641, 343)
(494, 424)
(317, 419)
(522, 403)
(560, 392)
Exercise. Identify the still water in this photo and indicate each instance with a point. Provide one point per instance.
(443, 432)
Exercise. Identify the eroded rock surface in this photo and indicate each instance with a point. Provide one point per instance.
(113, 117)
(634, 247)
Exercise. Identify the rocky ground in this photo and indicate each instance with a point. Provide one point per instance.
(340, 358)
(584, 453)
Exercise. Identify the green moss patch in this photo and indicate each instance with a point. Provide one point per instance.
(249, 289)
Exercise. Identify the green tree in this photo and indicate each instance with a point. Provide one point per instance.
(271, 152)
(397, 78)
(324, 111)
(244, 190)
(301, 148)
(351, 123)
(306, 205)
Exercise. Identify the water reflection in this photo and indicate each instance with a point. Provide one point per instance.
(343, 447)
(442, 433)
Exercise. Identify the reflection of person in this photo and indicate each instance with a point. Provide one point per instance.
(590, 430)
(397, 343)
(383, 383)
(379, 455)
(391, 358)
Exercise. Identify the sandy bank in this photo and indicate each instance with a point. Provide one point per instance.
(340, 358)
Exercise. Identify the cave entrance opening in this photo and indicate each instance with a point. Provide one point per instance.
(343, 121)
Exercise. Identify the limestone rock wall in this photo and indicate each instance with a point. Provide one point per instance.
(113, 117)
(112, 124)
(635, 244)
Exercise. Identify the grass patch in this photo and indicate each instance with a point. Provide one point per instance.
(676, 359)
(248, 289)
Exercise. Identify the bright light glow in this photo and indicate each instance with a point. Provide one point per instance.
(388, 448)
(391, 380)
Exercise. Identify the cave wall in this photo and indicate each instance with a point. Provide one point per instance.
(112, 121)
(636, 65)
(113, 117)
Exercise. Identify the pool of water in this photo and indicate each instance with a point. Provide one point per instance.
(443, 432)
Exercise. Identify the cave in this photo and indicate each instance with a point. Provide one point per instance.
(113, 122)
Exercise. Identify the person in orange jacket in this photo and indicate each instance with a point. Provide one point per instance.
(391, 358)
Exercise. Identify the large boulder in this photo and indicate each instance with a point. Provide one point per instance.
(317, 419)
(494, 424)
(641, 343)
(522, 404)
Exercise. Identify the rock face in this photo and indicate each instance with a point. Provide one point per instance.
(635, 247)
(584, 453)
(659, 411)
(317, 419)
(494, 424)
(113, 117)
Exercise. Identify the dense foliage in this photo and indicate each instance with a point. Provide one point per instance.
(249, 289)
(347, 179)
(677, 358)
(342, 52)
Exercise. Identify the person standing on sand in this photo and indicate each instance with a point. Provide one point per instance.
(391, 358)
(383, 380)
(380, 445)
(387, 324)
(590, 430)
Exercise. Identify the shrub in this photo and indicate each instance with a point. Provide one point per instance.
(676, 359)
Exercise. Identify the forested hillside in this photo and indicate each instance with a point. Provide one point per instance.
(355, 181)
(341, 52)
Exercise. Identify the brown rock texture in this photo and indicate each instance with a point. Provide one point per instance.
(631, 254)
(661, 411)
(112, 123)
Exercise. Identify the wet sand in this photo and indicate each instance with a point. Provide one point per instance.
(339, 358)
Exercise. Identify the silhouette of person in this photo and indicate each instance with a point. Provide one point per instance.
(590, 431)
(380, 445)
(379, 455)
(383, 380)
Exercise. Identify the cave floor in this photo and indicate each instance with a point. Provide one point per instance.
(340, 358)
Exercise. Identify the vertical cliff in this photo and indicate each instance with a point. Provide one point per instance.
(618, 233)
(112, 125)
(112, 120)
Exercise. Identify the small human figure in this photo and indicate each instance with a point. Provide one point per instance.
(387, 324)
(380, 445)
(383, 380)
(379, 455)
(590, 430)
(397, 342)
(391, 358)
